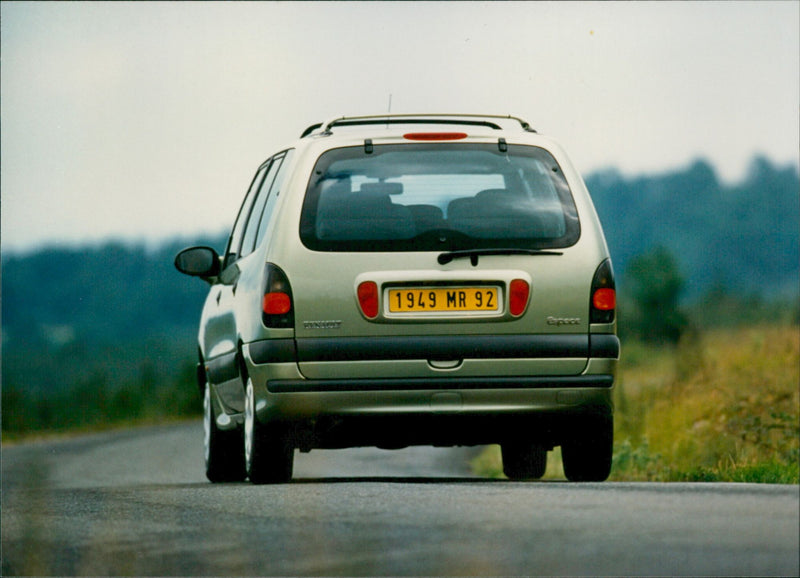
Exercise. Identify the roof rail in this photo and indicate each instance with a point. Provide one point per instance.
(486, 120)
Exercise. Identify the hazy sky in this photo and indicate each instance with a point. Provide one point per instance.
(147, 120)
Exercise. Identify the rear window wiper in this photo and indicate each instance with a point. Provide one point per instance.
(473, 254)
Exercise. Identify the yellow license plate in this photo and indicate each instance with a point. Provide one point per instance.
(443, 299)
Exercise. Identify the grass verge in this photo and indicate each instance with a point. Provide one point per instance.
(724, 406)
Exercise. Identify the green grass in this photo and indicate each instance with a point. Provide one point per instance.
(723, 406)
(760, 473)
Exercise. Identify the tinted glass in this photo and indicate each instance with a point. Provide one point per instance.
(275, 192)
(431, 197)
(248, 244)
(235, 240)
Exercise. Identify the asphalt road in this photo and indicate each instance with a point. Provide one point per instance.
(136, 503)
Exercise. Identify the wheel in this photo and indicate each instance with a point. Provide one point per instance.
(269, 457)
(587, 455)
(224, 454)
(523, 461)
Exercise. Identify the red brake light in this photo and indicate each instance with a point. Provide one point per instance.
(435, 135)
(605, 299)
(518, 292)
(277, 303)
(603, 304)
(368, 299)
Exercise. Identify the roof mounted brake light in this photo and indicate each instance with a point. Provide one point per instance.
(428, 136)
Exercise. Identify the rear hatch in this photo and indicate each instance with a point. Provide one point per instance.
(440, 258)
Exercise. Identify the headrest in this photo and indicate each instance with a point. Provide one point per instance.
(382, 188)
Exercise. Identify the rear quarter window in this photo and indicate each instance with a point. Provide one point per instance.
(432, 197)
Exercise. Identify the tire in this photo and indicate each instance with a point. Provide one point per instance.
(224, 451)
(269, 456)
(523, 461)
(587, 455)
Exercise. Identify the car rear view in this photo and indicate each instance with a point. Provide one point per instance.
(446, 282)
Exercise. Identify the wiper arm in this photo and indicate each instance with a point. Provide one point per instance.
(473, 254)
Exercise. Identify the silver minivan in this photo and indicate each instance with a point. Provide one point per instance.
(407, 280)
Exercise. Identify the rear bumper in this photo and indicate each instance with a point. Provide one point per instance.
(292, 400)
(451, 409)
(445, 416)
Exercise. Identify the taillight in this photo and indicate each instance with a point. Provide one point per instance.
(430, 136)
(604, 294)
(518, 292)
(368, 299)
(604, 300)
(277, 304)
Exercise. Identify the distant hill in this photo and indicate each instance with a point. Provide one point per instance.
(745, 237)
(107, 292)
(98, 319)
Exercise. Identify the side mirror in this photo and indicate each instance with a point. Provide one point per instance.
(201, 262)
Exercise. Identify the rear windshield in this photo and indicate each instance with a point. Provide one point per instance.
(433, 197)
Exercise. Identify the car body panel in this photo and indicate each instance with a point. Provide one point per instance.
(340, 376)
